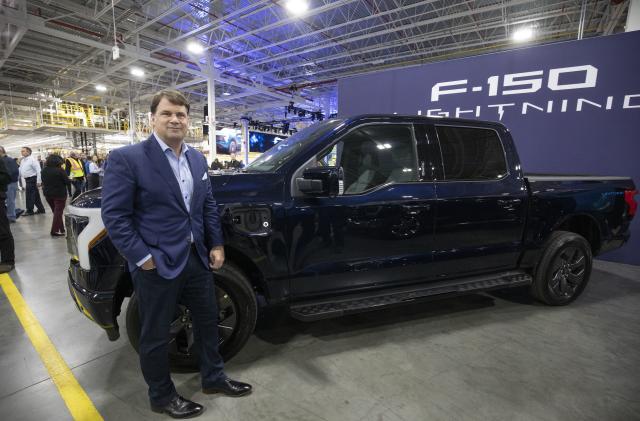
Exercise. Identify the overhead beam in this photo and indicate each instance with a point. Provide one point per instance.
(37, 24)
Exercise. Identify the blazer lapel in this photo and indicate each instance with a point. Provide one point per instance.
(193, 167)
(159, 162)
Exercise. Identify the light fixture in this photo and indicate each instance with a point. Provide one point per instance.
(101, 88)
(225, 93)
(523, 34)
(297, 7)
(195, 47)
(136, 71)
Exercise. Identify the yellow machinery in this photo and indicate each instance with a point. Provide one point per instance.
(66, 114)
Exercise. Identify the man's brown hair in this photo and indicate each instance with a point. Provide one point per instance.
(174, 97)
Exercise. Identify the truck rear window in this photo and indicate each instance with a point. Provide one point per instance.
(470, 153)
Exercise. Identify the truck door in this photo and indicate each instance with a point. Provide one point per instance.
(481, 201)
(379, 229)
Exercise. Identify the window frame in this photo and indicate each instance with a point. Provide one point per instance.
(434, 128)
(416, 147)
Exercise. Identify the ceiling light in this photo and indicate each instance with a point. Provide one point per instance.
(226, 93)
(297, 7)
(195, 47)
(101, 88)
(136, 71)
(523, 34)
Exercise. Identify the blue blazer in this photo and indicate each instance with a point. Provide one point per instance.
(144, 213)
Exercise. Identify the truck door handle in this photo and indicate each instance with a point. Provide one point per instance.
(415, 209)
(508, 202)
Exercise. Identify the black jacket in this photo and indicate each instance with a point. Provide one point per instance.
(54, 182)
(5, 178)
(12, 168)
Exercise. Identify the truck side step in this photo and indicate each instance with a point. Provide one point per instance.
(323, 309)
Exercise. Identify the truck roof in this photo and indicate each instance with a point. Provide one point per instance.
(414, 118)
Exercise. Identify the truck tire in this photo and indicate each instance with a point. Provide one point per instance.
(237, 309)
(563, 270)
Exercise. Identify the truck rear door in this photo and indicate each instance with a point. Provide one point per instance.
(481, 200)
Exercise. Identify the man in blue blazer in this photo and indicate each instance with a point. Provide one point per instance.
(159, 210)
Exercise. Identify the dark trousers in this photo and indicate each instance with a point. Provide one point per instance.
(6, 239)
(33, 194)
(57, 205)
(158, 298)
(93, 181)
(77, 186)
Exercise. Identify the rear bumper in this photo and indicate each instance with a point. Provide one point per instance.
(98, 306)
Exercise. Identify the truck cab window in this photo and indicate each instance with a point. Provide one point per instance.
(373, 155)
(470, 153)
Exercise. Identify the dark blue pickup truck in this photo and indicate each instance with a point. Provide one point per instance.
(358, 214)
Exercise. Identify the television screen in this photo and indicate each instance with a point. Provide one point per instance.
(261, 142)
(228, 141)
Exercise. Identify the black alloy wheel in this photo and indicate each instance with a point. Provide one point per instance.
(237, 313)
(569, 269)
(181, 335)
(563, 270)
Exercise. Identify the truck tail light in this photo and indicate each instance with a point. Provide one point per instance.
(631, 202)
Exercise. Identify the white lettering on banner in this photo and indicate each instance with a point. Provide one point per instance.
(436, 92)
(460, 112)
(527, 82)
(627, 101)
(501, 108)
(534, 85)
(590, 78)
(525, 105)
(631, 101)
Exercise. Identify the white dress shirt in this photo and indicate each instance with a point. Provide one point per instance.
(94, 168)
(29, 166)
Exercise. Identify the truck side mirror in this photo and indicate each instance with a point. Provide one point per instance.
(320, 181)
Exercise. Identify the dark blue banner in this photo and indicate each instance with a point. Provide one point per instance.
(573, 107)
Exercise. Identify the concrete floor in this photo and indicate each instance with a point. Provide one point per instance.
(479, 357)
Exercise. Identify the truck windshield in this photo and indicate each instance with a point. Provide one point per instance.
(280, 153)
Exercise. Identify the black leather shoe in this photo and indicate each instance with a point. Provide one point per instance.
(28, 213)
(179, 407)
(6, 267)
(228, 387)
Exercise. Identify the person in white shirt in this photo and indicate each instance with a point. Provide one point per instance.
(30, 171)
(94, 174)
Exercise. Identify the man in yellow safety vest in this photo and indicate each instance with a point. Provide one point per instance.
(75, 170)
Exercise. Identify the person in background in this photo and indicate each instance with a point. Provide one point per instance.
(93, 176)
(216, 165)
(54, 188)
(20, 182)
(101, 164)
(12, 188)
(7, 258)
(75, 171)
(30, 171)
(85, 167)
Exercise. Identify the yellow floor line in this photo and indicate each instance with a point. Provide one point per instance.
(74, 396)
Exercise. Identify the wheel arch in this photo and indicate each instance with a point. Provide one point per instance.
(585, 225)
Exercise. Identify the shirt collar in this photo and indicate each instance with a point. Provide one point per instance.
(164, 146)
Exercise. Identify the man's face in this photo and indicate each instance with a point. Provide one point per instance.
(24, 152)
(170, 121)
